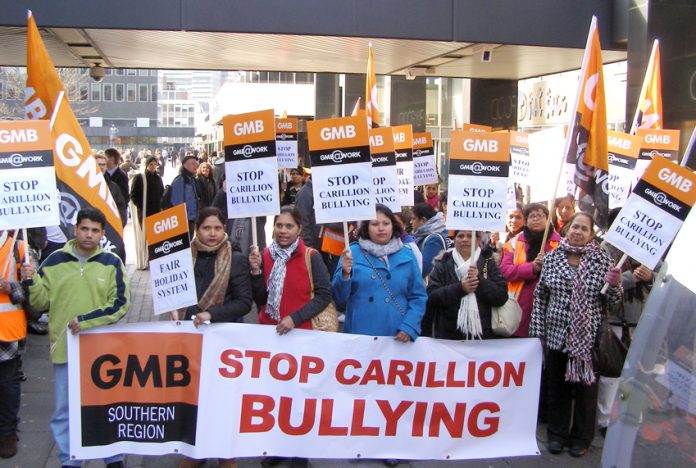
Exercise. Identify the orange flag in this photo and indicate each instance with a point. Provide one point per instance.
(371, 109)
(79, 179)
(586, 144)
(356, 108)
(649, 110)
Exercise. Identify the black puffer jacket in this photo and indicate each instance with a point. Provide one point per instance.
(445, 293)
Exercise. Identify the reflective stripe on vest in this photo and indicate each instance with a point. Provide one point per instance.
(332, 242)
(519, 257)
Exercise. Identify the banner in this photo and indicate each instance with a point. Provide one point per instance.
(546, 161)
(623, 154)
(519, 158)
(251, 166)
(384, 178)
(654, 212)
(371, 107)
(286, 142)
(649, 110)
(28, 193)
(469, 127)
(240, 390)
(171, 263)
(586, 144)
(403, 145)
(660, 142)
(79, 179)
(478, 181)
(424, 163)
(341, 169)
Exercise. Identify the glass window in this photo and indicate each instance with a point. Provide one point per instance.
(84, 92)
(96, 92)
(131, 72)
(108, 90)
(130, 92)
(142, 72)
(143, 92)
(120, 92)
(153, 73)
(153, 92)
(108, 71)
(119, 72)
(190, 122)
(2, 90)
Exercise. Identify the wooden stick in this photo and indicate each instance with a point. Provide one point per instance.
(9, 256)
(346, 239)
(254, 234)
(26, 245)
(618, 265)
(473, 246)
(687, 153)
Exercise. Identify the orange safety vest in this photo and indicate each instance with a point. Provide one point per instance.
(13, 320)
(332, 242)
(519, 257)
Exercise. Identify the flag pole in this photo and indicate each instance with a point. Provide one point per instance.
(346, 240)
(644, 88)
(9, 255)
(254, 234)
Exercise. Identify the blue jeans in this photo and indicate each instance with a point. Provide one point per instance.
(9, 396)
(59, 422)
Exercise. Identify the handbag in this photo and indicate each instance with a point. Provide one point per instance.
(327, 319)
(505, 320)
(609, 352)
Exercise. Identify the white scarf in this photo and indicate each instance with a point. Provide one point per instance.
(276, 279)
(468, 320)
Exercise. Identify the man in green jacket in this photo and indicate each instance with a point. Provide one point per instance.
(83, 287)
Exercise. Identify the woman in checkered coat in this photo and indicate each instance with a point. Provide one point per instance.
(566, 315)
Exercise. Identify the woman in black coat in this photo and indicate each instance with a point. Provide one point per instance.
(205, 184)
(149, 193)
(461, 294)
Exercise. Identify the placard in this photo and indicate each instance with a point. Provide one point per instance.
(656, 142)
(251, 166)
(469, 127)
(546, 155)
(403, 146)
(424, 163)
(286, 142)
(339, 150)
(519, 158)
(233, 390)
(171, 263)
(654, 212)
(28, 192)
(384, 178)
(622, 156)
(478, 181)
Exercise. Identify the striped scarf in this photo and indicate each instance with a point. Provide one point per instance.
(276, 279)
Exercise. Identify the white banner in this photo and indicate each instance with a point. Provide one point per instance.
(239, 390)
(386, 187)
(252, 188)
(345, 195)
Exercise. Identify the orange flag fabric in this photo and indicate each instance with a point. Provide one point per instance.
(649, 110)
(79, 179)
(371, 108)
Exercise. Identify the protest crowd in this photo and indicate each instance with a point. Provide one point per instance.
(405, 272)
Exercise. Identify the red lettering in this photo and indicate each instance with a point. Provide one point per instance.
(451, 382)
(285, 413)
(454, 425)
(400, 369)
(228, 358)
(471, 372)
(431, 382)
(392, 416)
(248, 412)
(256, 357)
(419, 419)
(340, 372)
(420, 371)
(517, 375)
(491, 422)
(494, 379)
(310, 365)
(325, 427)
(357, 427)
(274, 366)
(374, 373)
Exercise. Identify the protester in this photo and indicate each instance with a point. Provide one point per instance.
(564, 209)
(404, 218)
(128, 165)
(115, 174)
(13, 329)
(239, 229)
(116, 194)
(462, 290)
(183, 189)
(296, 183)
(637, 282)
(514, 222)
(393, 303)
(147, 189)
(82, 286)
(566, 315)
(523, 258)
(430, 234)
(311, 231)
(223, 288)
(205, 185)
(432, 194)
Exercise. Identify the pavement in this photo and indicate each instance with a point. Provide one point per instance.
(36, 448)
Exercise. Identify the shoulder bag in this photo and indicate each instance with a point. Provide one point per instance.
(609, 352)
(505, 320)
(327, 319)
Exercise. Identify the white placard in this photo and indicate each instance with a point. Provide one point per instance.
(173, 284)
(425, 170)
(252, 188)
(404, 172)
(545, 159)
(345, 195)
(28, 197)
(477, 203)
(286, 150)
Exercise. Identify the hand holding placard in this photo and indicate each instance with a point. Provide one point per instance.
(347, 263)
(255, 260)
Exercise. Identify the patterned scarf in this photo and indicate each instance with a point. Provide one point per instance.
(580, 337)
(468, 318)
(215, 294)
(276, 279)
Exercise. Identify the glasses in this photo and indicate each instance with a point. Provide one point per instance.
(536, 216)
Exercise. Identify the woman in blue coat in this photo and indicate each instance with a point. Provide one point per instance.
(379, 282)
